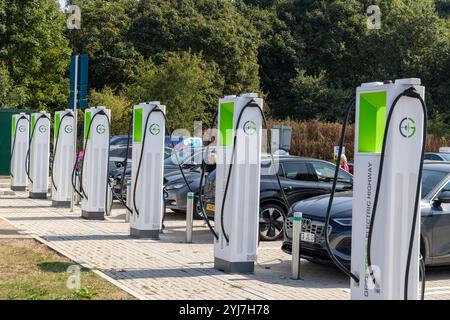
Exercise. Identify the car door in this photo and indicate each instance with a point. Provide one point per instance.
(441, 229)
(324, 175)
(298, 181)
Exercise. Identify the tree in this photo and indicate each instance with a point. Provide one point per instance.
(103, 36)
(185, 83)
(443, 8)
(10, 95)
(337, 52)
(213, 28)
(278, 53)
(120, 107)
(35, 51)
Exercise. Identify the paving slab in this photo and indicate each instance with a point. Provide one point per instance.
(172, 269)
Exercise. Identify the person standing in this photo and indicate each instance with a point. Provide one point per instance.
(344, 163)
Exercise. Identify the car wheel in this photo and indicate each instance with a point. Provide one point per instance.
(271, 221)
(198, 214)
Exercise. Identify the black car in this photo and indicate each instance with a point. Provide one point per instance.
(437, 156)
(435, 222)
(116, 162)
(301, 178)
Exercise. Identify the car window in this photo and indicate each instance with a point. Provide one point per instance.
(435, 157)
(430, 179)
(120, 141)
(446, 156)
(446, 188)
(427, 156)
(325, 172)
(297, 171)
(118, 153)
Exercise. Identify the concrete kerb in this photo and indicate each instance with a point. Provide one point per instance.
(83, 264)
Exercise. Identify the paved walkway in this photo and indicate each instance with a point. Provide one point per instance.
(171, 269)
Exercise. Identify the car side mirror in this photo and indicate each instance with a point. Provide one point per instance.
(444, 197)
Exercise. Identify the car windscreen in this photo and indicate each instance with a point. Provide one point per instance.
(446, 156)
(120, 153)
(430, 179)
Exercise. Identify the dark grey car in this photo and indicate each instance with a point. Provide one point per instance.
(435, 226)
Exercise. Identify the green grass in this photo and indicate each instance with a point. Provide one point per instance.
(31, 271)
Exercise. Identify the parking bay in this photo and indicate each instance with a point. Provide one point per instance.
(172, 269)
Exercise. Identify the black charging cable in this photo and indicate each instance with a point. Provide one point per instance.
(411, 93)
(14, 142)
(202, 174)
(67, 115)
(27, 162)
(333, 191)
(125, 165)
(138, 170)
(251, 104)
(101, 112)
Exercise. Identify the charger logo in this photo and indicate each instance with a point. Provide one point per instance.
(42, 129)
(250, 128)
(68, 129)
(408, 128)
(100, 129)
(22, 129)
(155, 129)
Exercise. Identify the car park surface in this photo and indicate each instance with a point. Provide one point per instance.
(171, 269)
(301, 178)
(435, 226)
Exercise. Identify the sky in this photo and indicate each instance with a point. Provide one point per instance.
(62, 3)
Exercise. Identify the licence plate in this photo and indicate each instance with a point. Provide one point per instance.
(308, 237)
(211, 207)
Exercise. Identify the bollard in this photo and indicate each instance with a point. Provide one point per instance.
(296, 238)
(77, 184)
(127, 215)
(189, 216)
(109, 200)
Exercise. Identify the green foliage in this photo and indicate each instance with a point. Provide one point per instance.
(103, 36)
(84, 293)
(317, 99)
(185, 83)
(440, 125)
(443, 8)
(35, 51)
(329, 42)
(120, 108)
(10, 96)
(278, 52)
(214, 28)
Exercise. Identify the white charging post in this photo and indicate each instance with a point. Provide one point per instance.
(395, 210)
(63, 158)
(240, 220)
(94, 171)
(39, 155)
(20, 135)
(147, 170)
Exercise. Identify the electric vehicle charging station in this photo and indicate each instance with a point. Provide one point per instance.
(20, 134)
(63, 158)
(392, 243)
(147, 170)
(94, 168)
(238, 183)
(39, 155)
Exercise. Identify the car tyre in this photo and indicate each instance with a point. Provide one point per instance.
(271, 221)
(198, 214)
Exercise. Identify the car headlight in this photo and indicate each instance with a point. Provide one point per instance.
(344, 222)
(175, 186)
